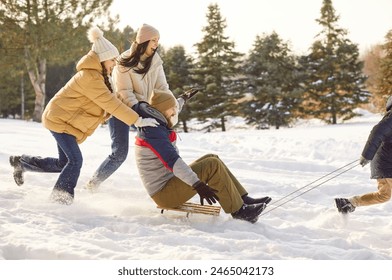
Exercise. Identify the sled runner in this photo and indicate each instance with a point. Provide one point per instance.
(189, 207)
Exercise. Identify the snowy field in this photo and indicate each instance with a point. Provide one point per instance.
(121, 222)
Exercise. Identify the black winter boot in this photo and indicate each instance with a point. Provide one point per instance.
(344, 205)
(249, 200)
(249, 213)
(18, 170)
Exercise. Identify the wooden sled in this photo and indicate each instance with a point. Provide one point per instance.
(189, 207)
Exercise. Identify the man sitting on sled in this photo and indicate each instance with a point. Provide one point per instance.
(170, 181)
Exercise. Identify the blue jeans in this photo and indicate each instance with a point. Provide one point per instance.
(119, 133)
(68, 163)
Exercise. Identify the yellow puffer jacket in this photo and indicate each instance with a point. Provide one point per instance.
(79, 107)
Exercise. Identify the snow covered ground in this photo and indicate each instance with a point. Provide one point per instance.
(121, 222)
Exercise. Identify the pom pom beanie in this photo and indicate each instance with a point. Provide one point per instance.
(101, 46)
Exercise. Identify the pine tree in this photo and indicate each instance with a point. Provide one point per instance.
(274, 82)
(336, 82)
(216, 71)
(122, 39)
(177, 69)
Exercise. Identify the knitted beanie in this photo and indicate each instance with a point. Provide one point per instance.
(101, 46)
(163, 100)
(146, 33)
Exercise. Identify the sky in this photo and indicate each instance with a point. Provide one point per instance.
(180, 22)
(121, 222)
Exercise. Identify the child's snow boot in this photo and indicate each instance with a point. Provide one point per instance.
(344, 205)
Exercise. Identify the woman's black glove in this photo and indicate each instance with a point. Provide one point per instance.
(363, 161)
(188, 94)
(205, 192)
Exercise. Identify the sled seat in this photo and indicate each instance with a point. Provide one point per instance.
(189, 207)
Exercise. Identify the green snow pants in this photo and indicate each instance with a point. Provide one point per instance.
(212, 171)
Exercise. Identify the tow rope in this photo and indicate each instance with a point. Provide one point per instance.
(282, 201)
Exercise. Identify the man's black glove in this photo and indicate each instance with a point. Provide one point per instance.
(188, 94)
(205, 192)
(363, 161)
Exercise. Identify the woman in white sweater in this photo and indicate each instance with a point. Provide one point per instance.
(138, 73)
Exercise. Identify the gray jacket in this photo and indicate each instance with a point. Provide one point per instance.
(157, 156)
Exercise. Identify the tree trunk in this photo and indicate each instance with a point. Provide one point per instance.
(184, 126)
(333, 112)
(22, 98)
(223, 123)
(37, 75)
(334, 119)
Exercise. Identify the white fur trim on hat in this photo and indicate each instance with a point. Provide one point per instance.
(101, 46)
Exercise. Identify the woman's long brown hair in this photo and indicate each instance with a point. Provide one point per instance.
(133, 60)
